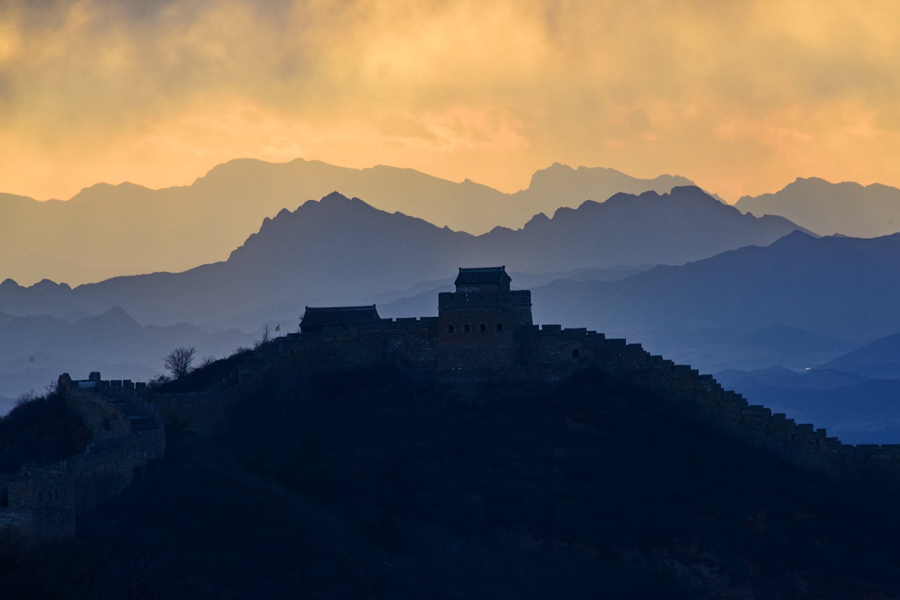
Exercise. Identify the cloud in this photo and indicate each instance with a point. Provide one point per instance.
(740, 96)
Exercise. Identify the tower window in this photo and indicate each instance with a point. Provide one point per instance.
(450, 328)
(482, 328)
(499, 327)
(467, 328)
(576, 353)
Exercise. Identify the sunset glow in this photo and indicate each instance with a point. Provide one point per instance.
(741, 97)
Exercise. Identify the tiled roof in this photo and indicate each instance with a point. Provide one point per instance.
(482, 275)
(337, 316)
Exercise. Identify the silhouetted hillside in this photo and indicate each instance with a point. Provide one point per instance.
(39, 432)
(373, 485)
(827, 208)
(107, 230)
(339, 250)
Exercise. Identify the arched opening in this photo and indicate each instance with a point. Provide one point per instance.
(482, 328)
(499, 327)
(451, 328)
(467, 328)
(4, 498)
(576, 353)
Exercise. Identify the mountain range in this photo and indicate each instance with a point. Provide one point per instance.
(34, 350)
(832, 208)
(126, 229)
(857, 409)
(840, 290)
(339, 250)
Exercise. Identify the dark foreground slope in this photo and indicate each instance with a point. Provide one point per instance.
(374, 485)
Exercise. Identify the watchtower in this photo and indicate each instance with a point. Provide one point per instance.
(480, 320)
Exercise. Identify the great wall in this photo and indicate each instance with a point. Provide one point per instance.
(483, 333)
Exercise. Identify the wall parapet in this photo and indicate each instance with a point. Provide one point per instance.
(43, 502)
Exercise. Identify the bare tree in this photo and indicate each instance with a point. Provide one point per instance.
(180, 360)
(266, 337)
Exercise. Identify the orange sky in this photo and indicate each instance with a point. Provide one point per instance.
(740, 96)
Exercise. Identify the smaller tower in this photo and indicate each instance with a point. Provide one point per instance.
(335, 318)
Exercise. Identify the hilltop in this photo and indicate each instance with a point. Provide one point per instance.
(373, 484)
(435, 456)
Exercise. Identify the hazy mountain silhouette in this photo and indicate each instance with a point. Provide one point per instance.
(675, 228)
(878, 359)
(828, 208)
(107, 230)
(34, 350)
(845, 290)
(857, 409)
(340, 250)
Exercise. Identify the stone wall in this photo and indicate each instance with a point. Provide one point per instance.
(127, 419)
(43, 502)
(550, 353)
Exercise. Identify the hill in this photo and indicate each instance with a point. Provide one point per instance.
(832, 208)
(371, 484)
(107, 230)
(338, 250)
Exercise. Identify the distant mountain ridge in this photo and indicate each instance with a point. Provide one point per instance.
(832, 208)
(34, 350)
(108, 230)
(856, 409)
(877, 359)
(839, 290)
(339, 250)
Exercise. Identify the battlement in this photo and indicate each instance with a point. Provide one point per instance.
(488, 298)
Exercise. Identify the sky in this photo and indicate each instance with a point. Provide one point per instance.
(741, 96)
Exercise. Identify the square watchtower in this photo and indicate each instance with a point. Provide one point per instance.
(478, 323)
